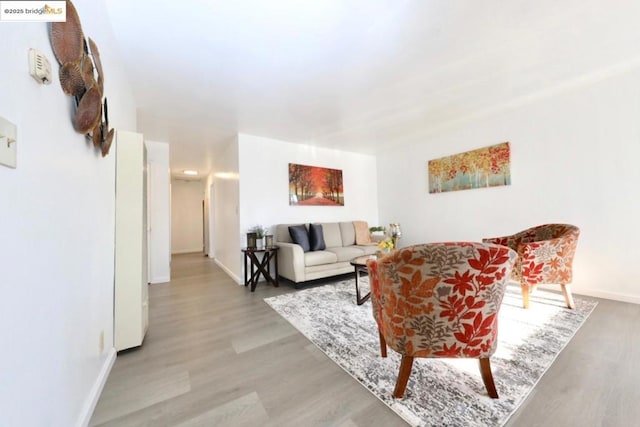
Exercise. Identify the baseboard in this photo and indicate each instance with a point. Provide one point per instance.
(608, 295)
(229, 272)
(596, 293)
(157, 280)
(92, 400)
(187, 251)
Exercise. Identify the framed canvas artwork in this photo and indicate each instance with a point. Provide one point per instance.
(315, 186)
(481, 168)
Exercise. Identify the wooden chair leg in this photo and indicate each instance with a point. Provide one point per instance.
(566, 291)
(487, 377)
(383, 344)
(403, 376)
(525, 296)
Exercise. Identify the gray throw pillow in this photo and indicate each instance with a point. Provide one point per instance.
(300, 236)
(316, 238)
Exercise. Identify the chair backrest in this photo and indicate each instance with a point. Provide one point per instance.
(542, 233)
(546, 254)
(441, 299)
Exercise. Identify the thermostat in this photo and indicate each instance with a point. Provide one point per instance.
(39, 67)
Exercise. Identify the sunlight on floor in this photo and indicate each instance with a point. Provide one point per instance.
(517, 325)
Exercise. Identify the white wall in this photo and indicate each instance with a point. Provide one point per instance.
(574, 159)
(224, 179)
(186, 216)
(159, 209)
(264, 184)
(56, 236)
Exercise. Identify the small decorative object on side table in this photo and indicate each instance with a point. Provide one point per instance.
(260, 266)
(396, 233)
(386, 245)
(260, 232)
(268, 241)
(377, 232)
(251, 240)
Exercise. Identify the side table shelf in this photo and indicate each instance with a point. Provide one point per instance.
(260, 262)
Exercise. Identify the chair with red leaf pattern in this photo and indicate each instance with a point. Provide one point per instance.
(440, 300)
(545, 255)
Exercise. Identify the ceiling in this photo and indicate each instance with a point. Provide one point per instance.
(357, 75)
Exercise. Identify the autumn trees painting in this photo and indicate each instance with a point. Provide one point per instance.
(484, 167)
(315, 186)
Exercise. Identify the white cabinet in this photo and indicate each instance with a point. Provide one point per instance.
(131, 297)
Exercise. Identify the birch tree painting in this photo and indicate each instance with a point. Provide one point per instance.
(481, 168)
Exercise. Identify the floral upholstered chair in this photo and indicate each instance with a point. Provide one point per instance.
(440, 300)
(545, 255)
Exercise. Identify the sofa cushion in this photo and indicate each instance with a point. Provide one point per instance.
(346, 254)
(300, 236)
(368, 249)
(363, 236)
(316, 239)
(348, 234)
(331, 231)
(319, 258)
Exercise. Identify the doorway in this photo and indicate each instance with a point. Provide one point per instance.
(187, 221)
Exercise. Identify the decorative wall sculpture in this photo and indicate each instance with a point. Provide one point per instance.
(484, 167)
(79, 64)
(315, 186)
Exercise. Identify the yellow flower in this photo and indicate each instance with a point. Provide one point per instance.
(385, 244)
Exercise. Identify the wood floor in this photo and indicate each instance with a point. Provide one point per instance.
(218, 355)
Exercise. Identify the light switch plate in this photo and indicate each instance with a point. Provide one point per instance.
(8, 143)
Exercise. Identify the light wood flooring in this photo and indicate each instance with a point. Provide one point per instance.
(218, 355)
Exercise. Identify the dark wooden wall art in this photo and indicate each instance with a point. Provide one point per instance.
(79, 64)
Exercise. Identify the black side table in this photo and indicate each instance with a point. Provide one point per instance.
(360, 266)
(260, 266)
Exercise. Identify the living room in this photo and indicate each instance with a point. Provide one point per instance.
(570, 136)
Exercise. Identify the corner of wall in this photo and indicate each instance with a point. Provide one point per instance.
(96, 390)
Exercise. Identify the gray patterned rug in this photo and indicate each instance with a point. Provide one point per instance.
(443, 392)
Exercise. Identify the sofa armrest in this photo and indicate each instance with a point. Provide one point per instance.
(378, 237)
(291, 261)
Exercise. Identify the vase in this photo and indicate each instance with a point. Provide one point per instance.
(251, 240)
(260, 243)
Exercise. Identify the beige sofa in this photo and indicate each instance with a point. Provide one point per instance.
(299, 266)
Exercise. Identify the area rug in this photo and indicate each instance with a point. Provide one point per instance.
(443, 392)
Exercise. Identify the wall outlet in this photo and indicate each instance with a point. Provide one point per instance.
(101, 344)
(8, 143)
